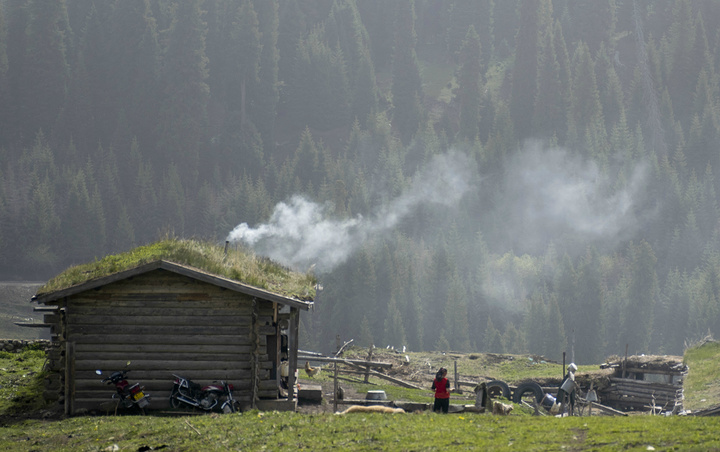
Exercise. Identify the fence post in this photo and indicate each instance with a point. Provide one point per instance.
(457, 379)
(335, 389)
(369, 358)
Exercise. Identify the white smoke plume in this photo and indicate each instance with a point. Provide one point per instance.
(553, 195)
(301, 233)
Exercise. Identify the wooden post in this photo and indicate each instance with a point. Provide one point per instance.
(293, 351)
(480, 395)
(255, 354)
(69, 378)
(277, 365)
(335, 389)
(369, 358)
(625, 362)
(457, 380)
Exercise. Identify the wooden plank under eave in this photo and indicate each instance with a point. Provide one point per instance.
(33, 324)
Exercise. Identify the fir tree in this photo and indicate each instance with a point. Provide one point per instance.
(555, 338)
(642, 295)
(468, 91)
(591, 21)
(505, 15)
(407, 93)
(549, 106)
(4, 99)
(264, 93)
(346, 27)
(585, 107)
(183, 123)
(46, 78)
(609, 89)
(134, 69)
(492, 342)
(513, 340)
(525, 66)
(683, 73)
(319, 95)
(589, 343)
(394, 329)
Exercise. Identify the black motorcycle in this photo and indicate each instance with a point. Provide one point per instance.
(126, 394)
(215, 397)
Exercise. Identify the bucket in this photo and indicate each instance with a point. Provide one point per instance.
(548, 401)
(568, 386)
(375, 396)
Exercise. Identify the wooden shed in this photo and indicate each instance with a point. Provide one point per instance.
(162, 318)
(645, 382)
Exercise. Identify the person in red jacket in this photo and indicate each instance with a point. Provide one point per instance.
(441, 385)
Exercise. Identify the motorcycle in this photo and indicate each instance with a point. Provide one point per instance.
(214, 397)
(126, 394)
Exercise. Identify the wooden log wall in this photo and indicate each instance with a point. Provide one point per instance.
(158, 324)
(638, 395)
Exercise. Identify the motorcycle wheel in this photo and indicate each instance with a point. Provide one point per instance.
(232, 406)
(174, 402)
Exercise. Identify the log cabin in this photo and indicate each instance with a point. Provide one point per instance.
(162, 317)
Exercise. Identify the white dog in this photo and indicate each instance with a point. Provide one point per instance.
(501, 409)
(372, 409)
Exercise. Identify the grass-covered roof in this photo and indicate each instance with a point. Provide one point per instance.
(237, 265)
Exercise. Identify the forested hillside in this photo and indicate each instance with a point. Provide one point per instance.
(477, 175)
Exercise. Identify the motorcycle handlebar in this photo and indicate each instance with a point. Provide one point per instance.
(114, 375)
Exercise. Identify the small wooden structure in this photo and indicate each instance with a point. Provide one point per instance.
(645, 383)
(163, 318)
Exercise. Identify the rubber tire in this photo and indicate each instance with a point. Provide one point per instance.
(528, 386)
(174, 402)
(495, 387)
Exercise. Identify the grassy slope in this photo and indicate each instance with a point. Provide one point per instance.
(702, 385)
(426, 431)
(421, 431)
(21, 382)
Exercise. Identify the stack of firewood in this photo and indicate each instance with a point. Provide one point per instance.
(638, 395)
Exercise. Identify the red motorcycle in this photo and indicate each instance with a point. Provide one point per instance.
(214, 397)
(126, 394)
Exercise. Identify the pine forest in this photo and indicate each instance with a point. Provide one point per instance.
(515, 176)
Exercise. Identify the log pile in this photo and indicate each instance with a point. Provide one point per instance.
(638, 395)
